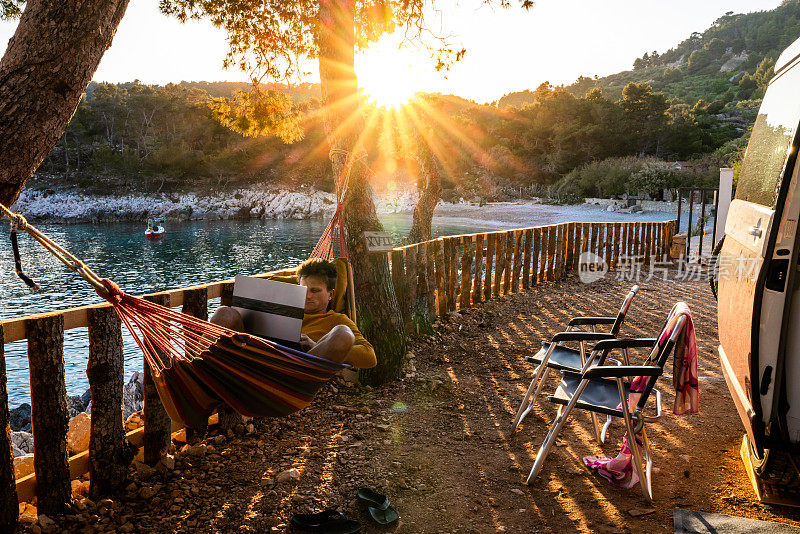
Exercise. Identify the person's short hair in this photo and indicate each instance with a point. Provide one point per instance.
(320, 268)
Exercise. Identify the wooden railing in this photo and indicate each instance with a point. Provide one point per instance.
(436, 277)
(431, 279)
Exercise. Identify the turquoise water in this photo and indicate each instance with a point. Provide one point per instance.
(192, 253)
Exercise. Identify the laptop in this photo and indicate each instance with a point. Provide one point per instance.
(270, 309)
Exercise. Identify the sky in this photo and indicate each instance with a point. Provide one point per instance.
(507, 49)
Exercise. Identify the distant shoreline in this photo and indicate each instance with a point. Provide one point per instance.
(248, 204)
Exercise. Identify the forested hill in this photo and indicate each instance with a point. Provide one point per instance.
(728, 63)
(596, 137)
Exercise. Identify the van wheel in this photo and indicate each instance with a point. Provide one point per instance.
(774, 468)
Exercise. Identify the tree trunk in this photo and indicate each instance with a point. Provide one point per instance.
(379, 317)
(48, 63)
(429, 197)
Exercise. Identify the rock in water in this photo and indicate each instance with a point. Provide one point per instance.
(75, 405)
(133, 395)
(23, 441)
(86, 398)
(21, 416)
(79, 432)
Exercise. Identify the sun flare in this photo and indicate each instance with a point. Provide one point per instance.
(387, 75)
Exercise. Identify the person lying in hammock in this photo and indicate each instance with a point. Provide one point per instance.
(325, 333)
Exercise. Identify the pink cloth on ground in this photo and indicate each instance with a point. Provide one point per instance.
(619, 470)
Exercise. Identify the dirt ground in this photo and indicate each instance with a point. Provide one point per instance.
(439, 442)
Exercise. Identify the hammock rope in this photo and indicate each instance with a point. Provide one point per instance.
(333, 242)
(197, 365)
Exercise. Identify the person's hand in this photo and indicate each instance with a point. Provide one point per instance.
(306, 342)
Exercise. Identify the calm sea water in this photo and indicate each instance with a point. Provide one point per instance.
(192, 253)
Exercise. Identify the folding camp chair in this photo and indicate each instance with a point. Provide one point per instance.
(554, 355)
(603, 389)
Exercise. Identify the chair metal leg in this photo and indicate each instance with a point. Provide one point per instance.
(555, 430)
(606, 426)
(538, 378)
(648, 470)
(598, 431)
(637, 457)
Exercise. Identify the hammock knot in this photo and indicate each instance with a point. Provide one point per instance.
(19, 222)
(113, 292)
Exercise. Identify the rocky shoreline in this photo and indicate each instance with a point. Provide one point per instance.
(306, 203)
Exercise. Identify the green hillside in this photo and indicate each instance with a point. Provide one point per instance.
(728, 64)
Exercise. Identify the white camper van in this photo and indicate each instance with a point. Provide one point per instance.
(759, 287)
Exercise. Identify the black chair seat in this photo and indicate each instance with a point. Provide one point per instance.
(600, 395)
(562, 359)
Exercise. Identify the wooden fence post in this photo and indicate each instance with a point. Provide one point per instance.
(648, 243)
(452, 281)
(476, 284)
(441, 297)
(487, 275)
(551, 253)
(560, 250)
(49, 415)
(499, 263)
(609, 240)
(195, 303)
(431, 280)
(466, 273)
(157, 425)
(109, 452)
(637, 228)
(593, 243)
(401, 286)
(410, 256)
(423, 319)
(585, 237)
(517, 267)
(570, 256)
(626, 240)
(539, 253)
(526, 260)
(9, 509)
(576, 252)
(507, 261)
(616, 245)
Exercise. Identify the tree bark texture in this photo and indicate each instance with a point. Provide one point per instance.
(429, 197)
(9, 510)
(379, 317)
(109, 452)
(157, 424)
(49, 415)
(48, 63)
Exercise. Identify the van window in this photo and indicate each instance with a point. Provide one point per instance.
(760, 177)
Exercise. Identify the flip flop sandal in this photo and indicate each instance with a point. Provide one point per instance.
(373, 499)
(384, 517)
(325, 522)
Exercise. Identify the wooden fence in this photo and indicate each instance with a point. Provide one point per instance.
(442, 275)
(431, 279)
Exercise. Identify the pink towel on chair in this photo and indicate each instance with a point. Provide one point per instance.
(684, 367)
(619, 470)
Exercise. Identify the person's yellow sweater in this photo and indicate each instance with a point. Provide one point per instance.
(361, 356)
